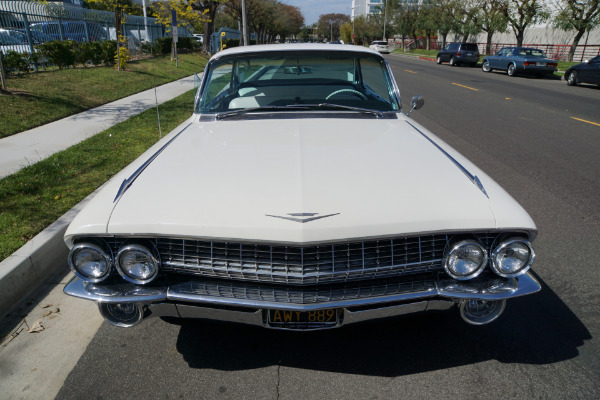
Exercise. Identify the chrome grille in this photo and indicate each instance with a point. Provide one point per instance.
(309, 295)
(303, 265)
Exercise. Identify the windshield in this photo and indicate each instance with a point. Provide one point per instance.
(279, 79)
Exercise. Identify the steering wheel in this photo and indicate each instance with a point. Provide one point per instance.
(350, 91)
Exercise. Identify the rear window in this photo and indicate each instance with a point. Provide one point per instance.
(381, 43)
(469, 46)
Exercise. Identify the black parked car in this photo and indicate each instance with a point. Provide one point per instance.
(459, 53)
(586, 72)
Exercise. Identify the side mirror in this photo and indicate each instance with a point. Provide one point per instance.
(415, 103)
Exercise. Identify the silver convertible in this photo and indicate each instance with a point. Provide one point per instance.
(299, 196)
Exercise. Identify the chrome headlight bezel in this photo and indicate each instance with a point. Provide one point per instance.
(456, 247)
(149, 252)
(503, 245)
(103, 252)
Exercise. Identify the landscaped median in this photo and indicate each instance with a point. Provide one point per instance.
(37, 99)
(34, 197)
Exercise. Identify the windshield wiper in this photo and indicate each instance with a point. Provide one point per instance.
(377, 113)
(235, 113)
(263, 108)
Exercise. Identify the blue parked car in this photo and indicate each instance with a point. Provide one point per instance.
(520, 60)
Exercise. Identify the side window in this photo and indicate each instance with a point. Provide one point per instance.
(447, 47)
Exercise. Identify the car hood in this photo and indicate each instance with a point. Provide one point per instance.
(300, 180)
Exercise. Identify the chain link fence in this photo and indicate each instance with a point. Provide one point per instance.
(24, 24)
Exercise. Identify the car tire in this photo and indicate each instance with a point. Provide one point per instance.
(485, 67)
(439, 60)
(453, 62)
(572, 78)
(511, 70)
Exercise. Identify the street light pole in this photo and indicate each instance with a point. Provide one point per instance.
(244, 24)
(384, 18)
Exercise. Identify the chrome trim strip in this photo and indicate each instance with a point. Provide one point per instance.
(472, 177)
(129, 181)
(491, 289)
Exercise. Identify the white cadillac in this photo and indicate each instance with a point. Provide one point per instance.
(299, 196)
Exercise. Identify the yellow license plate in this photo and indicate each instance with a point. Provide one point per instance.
(303, 319)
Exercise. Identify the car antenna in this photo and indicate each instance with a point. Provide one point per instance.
(154, 84)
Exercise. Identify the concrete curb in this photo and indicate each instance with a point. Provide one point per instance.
(27, 268)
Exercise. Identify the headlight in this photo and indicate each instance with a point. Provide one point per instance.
(465, 260)
(90, 262)
(512, 258)
(137, 264)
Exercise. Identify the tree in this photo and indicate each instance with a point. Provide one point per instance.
(523, 13)
(446, 18)
(346, 32)
(405, 20)
(329, 25)
(578, 16)
(187, 16)
(491, 19)
(467, 23)
(426, 20)
(208, 8)
(119, 7)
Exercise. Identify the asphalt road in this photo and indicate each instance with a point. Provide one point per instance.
(522, 132)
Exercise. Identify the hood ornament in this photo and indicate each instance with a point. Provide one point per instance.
(301, 217)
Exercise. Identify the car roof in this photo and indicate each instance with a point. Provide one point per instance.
(294, 47)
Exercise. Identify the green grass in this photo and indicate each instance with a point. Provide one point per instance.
(38, 195)
(418, 52)
(40, 98)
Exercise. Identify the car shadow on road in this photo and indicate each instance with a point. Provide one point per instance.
(537, 329)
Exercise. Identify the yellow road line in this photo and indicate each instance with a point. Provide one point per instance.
(408, 70)
(470, 88)
(589, 122)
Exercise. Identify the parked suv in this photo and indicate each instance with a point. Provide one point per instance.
(381, 46)
(459, 53)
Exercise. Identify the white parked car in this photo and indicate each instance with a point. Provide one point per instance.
(381, 46)
(300, 196)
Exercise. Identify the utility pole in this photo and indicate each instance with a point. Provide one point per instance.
(384, 18)
(244, 24)
(145, 21)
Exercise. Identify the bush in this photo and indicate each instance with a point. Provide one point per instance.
(163, 45)
(229, 43)
(59, 52)
(16, 62)
(109, 49)
(89, 52)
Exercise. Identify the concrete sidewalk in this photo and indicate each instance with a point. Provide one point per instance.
(26, 148)
(25, 270)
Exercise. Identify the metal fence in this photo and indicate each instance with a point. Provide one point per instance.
(23, 24)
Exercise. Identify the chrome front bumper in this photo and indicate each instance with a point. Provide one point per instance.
(249, 303)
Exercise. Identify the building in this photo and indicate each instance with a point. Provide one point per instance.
(366, 7)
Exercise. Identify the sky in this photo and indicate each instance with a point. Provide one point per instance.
(311, 9)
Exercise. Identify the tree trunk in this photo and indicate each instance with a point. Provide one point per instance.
(488, 44)
(519, 33)
(578, 37)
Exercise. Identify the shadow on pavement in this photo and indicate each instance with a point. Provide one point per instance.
(537, 329)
